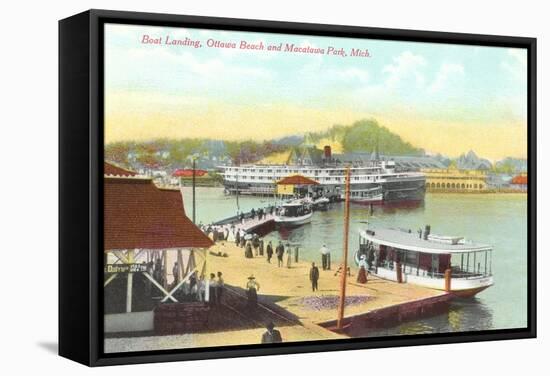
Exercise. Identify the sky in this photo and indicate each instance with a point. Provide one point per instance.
(444, 98)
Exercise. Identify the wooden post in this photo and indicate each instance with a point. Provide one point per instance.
(343, 276)
(180, 265)
(129, 286)
(399, 272)
(204, 273)
(194, 202)
(237, 189)
(191, 263)
(165, 268)
(448, 275)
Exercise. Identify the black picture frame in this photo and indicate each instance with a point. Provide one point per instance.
(81, 174)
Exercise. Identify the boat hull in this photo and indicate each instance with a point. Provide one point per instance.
(460, 287)
(293, 221)
(469, 293)
(393, 190)
(378, 199)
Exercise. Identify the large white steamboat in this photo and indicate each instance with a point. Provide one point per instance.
(380, 176)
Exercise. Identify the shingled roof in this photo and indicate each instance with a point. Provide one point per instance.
(297, 180)
(110, 169)
(138, 215)
(520, 179)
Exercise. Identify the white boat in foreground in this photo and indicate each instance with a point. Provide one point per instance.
(294, 213)
(424, 259)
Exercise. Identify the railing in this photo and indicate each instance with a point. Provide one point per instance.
(453, 275)
(436, 275)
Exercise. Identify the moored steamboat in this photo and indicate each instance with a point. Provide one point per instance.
(448, 263)
(373, 181)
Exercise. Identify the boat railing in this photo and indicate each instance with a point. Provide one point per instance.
(469, 275)
(463, 275)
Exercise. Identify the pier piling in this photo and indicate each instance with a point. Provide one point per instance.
(343, 281)
(448, 274)
(399, 272)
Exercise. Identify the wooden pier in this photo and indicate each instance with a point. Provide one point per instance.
(287, 291)
(248, 225)
(288, 288)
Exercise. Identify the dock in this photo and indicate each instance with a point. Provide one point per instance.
(287, 292)
(286, 298)
(248, 225)
(288, 288)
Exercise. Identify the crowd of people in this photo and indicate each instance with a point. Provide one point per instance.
(192, 289)
(255, 246)
(196, 286)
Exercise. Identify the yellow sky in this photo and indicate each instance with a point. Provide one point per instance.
(137, 117)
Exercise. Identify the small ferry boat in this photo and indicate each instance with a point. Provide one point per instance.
(424, 259)
(367, 196)
(294, 213)
(321, 203)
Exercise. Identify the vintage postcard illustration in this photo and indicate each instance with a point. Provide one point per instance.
(265, 188)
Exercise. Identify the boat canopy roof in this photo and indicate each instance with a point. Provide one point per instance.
(293, 203)
(410, 241)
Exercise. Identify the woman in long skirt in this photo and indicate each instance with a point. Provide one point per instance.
(362, 275)
(252, 288)
(248, 250)
(237, 237)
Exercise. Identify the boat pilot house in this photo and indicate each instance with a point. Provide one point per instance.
(448, 263)
(154, 257)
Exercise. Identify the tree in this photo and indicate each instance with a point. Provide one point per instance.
(367, 136)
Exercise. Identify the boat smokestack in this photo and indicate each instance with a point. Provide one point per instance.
(328, 152)
(427, 232)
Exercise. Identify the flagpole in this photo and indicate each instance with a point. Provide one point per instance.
(194, 202)
(344, 270)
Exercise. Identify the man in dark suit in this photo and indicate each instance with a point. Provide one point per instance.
(314, 276)
(280, 251)
(269, 251)
(272, 335)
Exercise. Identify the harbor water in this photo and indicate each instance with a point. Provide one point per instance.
(496, 219)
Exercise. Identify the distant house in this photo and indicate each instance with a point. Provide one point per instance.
(498, 181)
(519, 182)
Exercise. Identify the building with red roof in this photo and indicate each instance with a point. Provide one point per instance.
(293, 184)
(297, 180)
(110, 169)
(188, 172)
(138, 215)
(146, 233)
(519, 180)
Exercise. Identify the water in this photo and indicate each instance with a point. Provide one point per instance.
(496, 219)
